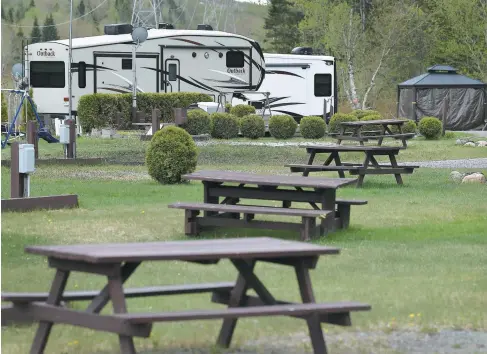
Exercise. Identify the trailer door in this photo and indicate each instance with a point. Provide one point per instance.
(114, 72)
(171, 75)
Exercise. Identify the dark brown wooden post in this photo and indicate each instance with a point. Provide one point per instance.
(140, 117)
(156, 120)
(32, 136)
(72, 139)
(16, 179)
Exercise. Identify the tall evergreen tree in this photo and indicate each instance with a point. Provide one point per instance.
(4, 17)
(49, 31)
(32, 4)
(35, 35)
(282, 26)
(81, 8)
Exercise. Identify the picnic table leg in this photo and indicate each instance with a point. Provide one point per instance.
(383, 132)
(404, 143)
(311, 157)
(236, 299)
(394, 165)
(342, 133)
(209, 199)
(115, 289)
(328, 200)
(365, 166)
(313, 321)
(338, 162)
(54, 298)
(358, 134)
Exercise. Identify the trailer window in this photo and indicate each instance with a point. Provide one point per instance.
(126, 64)
(235, 59)
(47, 74)
(323, 85)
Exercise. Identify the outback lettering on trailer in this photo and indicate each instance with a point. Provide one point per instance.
(46, 53)
(236, 70)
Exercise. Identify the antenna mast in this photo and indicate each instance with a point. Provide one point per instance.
(147, 13)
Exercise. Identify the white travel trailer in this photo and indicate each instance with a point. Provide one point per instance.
(299, 85)
(169, 60)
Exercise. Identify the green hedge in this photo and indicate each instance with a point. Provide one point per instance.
(171, 154)
(282, 126)
(99, 110)
(252, 126)
(430, 127)
(333, 127)
(361, 113)
(312, 127)
(199, 122)
(242, 110)
(224, 125)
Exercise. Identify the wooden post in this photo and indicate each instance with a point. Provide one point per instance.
(445, 113)
(156, 120)
(16, 178)
(32, 136)
(72, 139)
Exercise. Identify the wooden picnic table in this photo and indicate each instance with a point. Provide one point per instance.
(385, 132)
(233, 186)
(118, 262)
(368, 166)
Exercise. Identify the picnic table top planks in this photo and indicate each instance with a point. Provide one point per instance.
(194, 250)
(269, 180)
(378, 121)
(351, 148)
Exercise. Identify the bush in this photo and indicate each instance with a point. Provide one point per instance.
(361, 113)
(242, 110)
(228, 107)
(252, 126)
(333, 127)
(199, 122)
(408, 127)
(4, 109)
(99, 110)
(282, 126)
(374, 127)
(224, 126)
(430, 127)
(312, 127)
(171, 154)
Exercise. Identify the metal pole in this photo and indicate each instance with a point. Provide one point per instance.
(70, 75)
(134, 83)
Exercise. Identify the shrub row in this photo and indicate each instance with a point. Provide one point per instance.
(99, 110)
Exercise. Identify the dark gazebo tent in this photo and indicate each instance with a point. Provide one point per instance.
(459, 101)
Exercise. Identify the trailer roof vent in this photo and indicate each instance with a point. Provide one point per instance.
(204, 28)
(165, 26)
(118, 28)
(302, 51)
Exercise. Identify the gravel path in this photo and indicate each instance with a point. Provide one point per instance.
(397, 342)
(463, 163)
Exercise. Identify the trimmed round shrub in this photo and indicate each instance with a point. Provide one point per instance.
(374, 127)
(337, 118)
(282, 126)
(228, 107)
(242, 110)
(312, 127)
(224, 126)
(198, 123)
(361, 113)
(408, 127)
(171, 154)
(430, 127)
(252, 126)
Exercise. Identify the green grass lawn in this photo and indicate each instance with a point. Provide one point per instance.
(416, 253)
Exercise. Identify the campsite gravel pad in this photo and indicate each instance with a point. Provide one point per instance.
(397, 342)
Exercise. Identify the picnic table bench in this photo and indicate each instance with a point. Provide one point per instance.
(369, 165)
(119, 261)
(332, 213)
(357, 133)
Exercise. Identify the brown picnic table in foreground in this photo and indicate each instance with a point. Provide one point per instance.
(385, 132)
(233, 186)
(368, 166)
(119, 261)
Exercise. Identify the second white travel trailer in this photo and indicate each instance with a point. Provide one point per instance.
(298, 84)
(170, 60)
